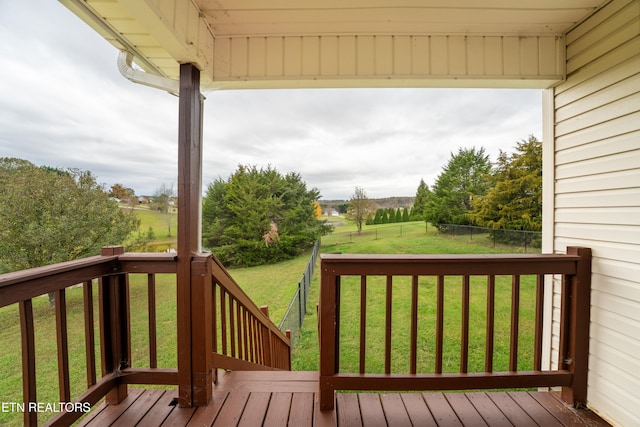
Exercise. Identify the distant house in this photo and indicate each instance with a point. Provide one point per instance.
(331, 212)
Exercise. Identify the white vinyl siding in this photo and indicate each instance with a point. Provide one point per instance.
(597, 195)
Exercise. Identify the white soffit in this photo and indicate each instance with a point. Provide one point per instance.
(345, 43)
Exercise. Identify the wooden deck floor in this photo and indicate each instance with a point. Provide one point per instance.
(290, 398)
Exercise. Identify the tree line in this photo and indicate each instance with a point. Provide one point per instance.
(471, 190)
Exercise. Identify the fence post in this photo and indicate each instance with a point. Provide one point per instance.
(301, 299)
(576, 302)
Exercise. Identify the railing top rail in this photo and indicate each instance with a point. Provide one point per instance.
(391, 258)
(22, 285)
(145, 262)
(449, 264)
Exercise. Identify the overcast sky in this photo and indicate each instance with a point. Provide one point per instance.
(64, 104)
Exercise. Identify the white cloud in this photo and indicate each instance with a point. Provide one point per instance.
(64, 104)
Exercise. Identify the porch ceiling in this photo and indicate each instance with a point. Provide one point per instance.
(333, 43)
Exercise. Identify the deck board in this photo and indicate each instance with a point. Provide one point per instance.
(290, 398)
(394, 410)
(441, 410)
(348, 409)
(371, 410)
(466, 412)
(417, 410)
(514, 413)
(258, 403)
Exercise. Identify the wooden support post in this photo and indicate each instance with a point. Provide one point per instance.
(115, 327)
(201, 324)
(577, 299)
(328, 336)
(190, 362)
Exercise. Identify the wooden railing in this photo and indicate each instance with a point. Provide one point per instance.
(243, 336)
(249, 338)
(414, 275)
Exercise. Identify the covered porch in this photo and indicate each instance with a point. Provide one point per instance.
(228, 347)
(236, 367)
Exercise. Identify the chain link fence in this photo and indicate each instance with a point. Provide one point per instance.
(527, 240)
(294, 316)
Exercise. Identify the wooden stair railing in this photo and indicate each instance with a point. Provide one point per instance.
(244, 338)
(359, 273)
(240, 335)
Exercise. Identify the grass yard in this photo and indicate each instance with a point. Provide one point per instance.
(411, 238)
(160, 224)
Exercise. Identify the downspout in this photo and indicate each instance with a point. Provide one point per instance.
(125, 66)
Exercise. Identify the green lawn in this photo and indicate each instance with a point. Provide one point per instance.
(274, 285)
(412, 238)
(161, 224)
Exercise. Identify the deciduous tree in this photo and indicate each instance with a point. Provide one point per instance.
(162, 201)
(48, 215)
(359, 208)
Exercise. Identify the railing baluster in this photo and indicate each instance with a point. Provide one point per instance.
(363, 323)
(515, 320)
(491, 304)
(239, 322)
(245, 334)
(216, 311)
(464, 333)
(388, 321)
(233, 337)
(153, 342)
(248, 330)
(62, 345)
(223, 320)
(89, 341)
(27, 331)
(214, 327)
(439, 324)
(252, 339)
(254, 336)
(537, 355)
(414, 325)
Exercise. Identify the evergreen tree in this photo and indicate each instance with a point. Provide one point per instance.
(259, 216)
(515, 198)
(398, 215)
(463, 178)
(405, 214)
(420, 203)
(378, 217)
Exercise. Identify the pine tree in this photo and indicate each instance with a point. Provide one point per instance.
(420, 203)
(465, 177)
(515, 199)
